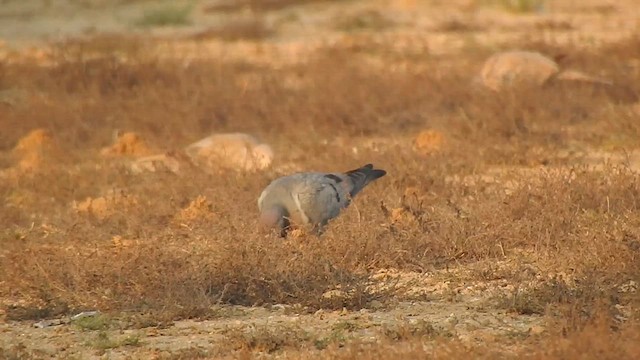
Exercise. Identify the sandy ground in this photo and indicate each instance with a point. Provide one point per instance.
(442, 302)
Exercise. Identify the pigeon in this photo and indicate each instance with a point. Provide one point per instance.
(311, 198)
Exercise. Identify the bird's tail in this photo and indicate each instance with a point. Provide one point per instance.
(361, 177)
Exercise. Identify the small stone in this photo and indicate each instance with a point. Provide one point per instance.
(452, 319)
(628, 287)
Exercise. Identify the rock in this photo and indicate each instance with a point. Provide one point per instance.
(517, 67)
(85, 314)
(529, 68)
(231, 151)
(628, 287)
(66, 320)
(452, 319)
(428, 142)
(172, 161)
(574, 75)
(127, 144)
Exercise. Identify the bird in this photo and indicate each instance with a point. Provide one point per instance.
(311, 198)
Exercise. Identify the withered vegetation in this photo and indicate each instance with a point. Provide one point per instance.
(432, 212)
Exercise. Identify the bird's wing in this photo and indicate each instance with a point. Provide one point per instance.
(320, 197)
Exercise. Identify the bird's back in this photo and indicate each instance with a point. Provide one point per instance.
(315, 197)
(308, 198)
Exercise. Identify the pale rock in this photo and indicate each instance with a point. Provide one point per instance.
(231, 150)
(517, 67)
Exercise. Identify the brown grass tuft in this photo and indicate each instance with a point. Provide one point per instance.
(127, 144)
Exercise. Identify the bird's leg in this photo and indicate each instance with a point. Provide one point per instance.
(285, 226)
(318, 229)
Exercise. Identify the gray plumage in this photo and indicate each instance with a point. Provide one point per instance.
(312, 198)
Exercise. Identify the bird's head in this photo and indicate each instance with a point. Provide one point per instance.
(275, 218)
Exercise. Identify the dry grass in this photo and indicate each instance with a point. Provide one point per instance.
(575, 221)
(596, 341)
(251, 28)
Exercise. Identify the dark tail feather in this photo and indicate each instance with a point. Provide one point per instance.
(363, 176)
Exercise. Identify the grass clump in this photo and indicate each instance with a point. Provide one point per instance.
(411, 330)
(168, 15)
(265, 338)
(258, 5)
(103, 341)
(517, 6)
(99, 322)
(335, 337)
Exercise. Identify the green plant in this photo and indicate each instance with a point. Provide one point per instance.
(102, 341)
(523, 6)
(98, 322)
(516, 6)
(168, 15)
